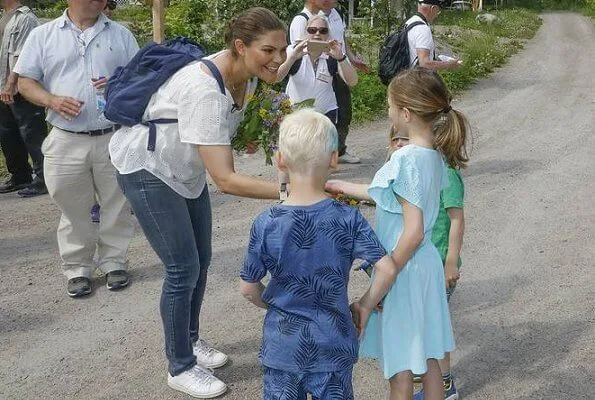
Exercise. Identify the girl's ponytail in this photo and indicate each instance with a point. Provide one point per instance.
(450, 136)
(424, 93)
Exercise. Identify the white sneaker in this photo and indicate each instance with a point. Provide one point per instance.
(208, 356)
(349, 159)
(197, 382)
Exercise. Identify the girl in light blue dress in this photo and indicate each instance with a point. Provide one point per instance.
(413, 329)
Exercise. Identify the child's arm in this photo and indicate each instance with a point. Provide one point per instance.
(455, 243)
(387, 271)
(357, 190)
(413, 233)
(252, 291)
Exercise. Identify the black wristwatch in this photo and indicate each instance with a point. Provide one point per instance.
(283, 192)
(342, 58)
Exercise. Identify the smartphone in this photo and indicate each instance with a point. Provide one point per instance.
(318, 46)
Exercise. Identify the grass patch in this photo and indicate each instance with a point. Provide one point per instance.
(3, 171)
(586, 7)
(514, 23)
(484, 47)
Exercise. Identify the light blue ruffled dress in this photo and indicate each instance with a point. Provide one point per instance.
(414, 324)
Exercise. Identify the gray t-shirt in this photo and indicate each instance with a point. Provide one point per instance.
(4, 21)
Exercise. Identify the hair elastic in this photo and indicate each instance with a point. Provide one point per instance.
(446, 110)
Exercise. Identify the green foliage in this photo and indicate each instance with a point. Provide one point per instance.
(484, 47)
(368, 97)
(515, 23)
(481, 55)
(3, 171)
(48, 9)
(285, 9)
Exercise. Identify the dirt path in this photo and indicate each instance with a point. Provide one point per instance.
(523, 313)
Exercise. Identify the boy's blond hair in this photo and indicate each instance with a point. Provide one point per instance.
(307, 139)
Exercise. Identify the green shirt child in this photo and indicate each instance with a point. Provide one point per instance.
(449, 241)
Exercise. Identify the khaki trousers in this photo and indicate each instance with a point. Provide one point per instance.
(78, 170)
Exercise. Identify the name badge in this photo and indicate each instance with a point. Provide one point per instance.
(324, 77)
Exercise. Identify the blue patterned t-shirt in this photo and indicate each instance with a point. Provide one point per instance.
(308, 250)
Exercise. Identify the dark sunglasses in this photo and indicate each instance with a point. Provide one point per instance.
(313, 29)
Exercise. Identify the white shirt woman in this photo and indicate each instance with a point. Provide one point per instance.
(167, 190)
(311, 73)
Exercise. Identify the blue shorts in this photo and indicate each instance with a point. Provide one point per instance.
(282, 385)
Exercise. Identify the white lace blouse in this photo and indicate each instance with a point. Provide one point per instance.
(205, 117)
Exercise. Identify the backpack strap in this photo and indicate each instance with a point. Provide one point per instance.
(216, 74)
(295, 67)
(411, 26)
(152, 123)
(302, 14)
(333, 66)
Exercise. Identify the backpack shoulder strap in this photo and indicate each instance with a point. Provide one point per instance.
(288, 35)
(152, 123)
(295, 67)
(216, 74)
(333, 66)
(341, 13)
(303, 14)
(413, 25)
(407, 29)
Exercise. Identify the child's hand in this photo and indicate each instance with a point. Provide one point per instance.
(359, 315)
(334, 186)
(451, 274)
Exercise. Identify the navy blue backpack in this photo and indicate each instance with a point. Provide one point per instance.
(130, 88)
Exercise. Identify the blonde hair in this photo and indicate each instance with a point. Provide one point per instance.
(307, 139)
(319, 17)
(425, 94)
(391, 150)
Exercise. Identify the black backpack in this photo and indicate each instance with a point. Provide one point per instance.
(394, 53)
(333, 66)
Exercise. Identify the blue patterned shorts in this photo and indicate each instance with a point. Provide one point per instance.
(282, 385)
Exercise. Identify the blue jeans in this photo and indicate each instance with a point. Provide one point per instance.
(179, 230)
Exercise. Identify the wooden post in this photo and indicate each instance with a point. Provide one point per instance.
(158, 20)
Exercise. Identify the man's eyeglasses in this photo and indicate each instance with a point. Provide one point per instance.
(313, 29)
(111, 5)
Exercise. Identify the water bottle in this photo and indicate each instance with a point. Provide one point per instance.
(100, 96)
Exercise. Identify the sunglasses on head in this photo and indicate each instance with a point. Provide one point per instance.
(313, 29)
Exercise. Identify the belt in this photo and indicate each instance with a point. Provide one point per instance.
(96, 132)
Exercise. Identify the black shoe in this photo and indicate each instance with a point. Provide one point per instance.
(12, 185)
(79, 286)
(37, 188)
(116, 280)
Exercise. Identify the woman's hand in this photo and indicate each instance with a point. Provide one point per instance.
(336, 49)
(300, 50)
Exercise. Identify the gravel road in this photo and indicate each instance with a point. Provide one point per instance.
(524, 312)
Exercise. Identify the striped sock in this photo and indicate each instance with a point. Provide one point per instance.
(446, 378)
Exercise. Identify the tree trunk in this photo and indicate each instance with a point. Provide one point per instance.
(158, 20)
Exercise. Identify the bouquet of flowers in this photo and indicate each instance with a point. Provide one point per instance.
(351, 201)
(260, 126)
